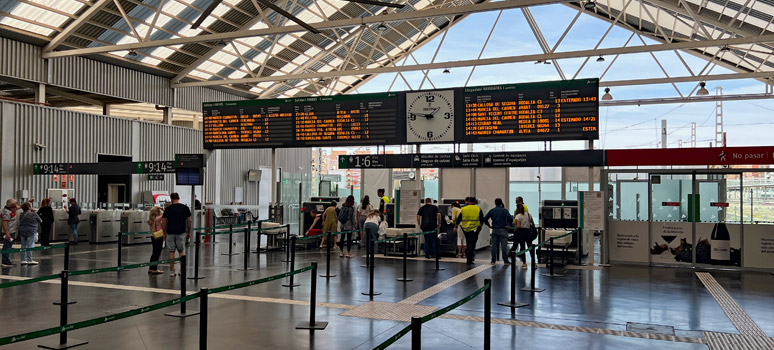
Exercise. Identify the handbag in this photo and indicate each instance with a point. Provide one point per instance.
(532, 229)
(158, 234)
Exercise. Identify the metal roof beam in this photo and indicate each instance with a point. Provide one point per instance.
(91, 11)
(392, 17)
(682, 45)
(658, 101)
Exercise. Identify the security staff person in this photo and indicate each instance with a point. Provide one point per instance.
(471, 219)
(383, 201)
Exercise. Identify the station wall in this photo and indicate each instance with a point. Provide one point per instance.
(74, 137)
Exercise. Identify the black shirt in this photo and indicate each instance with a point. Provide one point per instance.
(177, 218)
(72, 214)
(47, 214)
(429, 215)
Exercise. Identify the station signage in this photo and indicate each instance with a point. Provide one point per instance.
(691, 156)
(587, 158)
(105, 168)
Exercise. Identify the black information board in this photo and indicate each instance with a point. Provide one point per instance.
(560, 110)
(475, 160)
(105, 168)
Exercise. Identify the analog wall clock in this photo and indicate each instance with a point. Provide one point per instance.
(430, 116)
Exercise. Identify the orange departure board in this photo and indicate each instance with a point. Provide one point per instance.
(268, 123)
(559, 110)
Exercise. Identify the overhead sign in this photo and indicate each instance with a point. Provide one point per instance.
(691, 156)
(475, 160)
(105, 168)
(559, 110)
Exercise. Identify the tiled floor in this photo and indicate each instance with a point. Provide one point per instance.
(585, 309)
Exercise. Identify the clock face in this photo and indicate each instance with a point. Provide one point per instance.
(430, 116)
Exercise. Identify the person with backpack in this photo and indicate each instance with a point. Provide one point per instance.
(525, 234)
(348, 223)
(330, 224)
(429, 219)
(500, 220)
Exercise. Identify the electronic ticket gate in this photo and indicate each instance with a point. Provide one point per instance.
(135, 221)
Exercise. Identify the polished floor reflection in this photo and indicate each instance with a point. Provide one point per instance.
(584, 309)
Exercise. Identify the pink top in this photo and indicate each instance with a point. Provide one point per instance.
(157, 224)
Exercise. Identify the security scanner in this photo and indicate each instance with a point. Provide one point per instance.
(448, 234)
(135, 221)
(306, 217)
(559, 217)
(105, 225)
(389, 214)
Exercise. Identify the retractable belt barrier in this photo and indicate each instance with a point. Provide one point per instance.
(416, 322)
(33, 249)
(145, 309)
(408, 235)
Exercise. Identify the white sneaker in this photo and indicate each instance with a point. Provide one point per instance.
(24, 262)
(32, 262)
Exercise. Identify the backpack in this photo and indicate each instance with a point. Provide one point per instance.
(532, 229)
(344, 214)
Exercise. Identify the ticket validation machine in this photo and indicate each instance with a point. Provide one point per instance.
(558, 217)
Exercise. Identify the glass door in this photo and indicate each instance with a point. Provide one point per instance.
(671, 228)
(718, 228)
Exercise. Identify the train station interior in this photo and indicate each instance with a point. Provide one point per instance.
(387, 174)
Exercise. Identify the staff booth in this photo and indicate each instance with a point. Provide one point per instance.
(711, 217)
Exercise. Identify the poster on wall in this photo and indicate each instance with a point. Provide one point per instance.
(759, 246)
(593, 210)
(409, 206)
(629, 241)
(718, 244)
(672, 242)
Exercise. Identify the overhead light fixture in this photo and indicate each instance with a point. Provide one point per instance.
(725, 48)
(321, 81)
(600, 59)
(538, 62)
(132, 52)
(221, 43)
(590, 5)
(446, 71)
(546, 62)
(607, 96)
(702, 89)
(381, 28)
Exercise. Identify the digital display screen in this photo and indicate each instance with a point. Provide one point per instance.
(188, 177)
(558, 110)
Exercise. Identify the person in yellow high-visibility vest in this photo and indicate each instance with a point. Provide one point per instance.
(471, 219)
(383, 201)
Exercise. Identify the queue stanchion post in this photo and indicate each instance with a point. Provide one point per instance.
(416, 333)
(290, 283)
(513, 303)
(287, 245)
(488, 315)
(438, 252)
(532, 287)
(184, 312)
(120, 246)
(246, 250)
(197, 243)
(66, 268)
(579, 250)
(203, 318)
(369, 248)
(328, 257)
(405, 259)
(372, 248)
(551, 272)
(258, 246)
(231, 241)
(312, 324)
(64, 343)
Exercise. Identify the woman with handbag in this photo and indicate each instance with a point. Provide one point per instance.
(522, 238)
(157, 239)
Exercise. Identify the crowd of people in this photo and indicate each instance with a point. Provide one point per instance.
(22, 222)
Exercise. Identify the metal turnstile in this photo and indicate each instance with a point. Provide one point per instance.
(105, 225)
(84, 228)
(135, 221)
(60, 231)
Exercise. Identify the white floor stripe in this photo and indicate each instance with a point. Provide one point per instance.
(416, 298)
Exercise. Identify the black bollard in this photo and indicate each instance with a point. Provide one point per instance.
(513, 303)
(287, 247)
(328, 257)
(369, 249)
(246, 251)
(312, 324)
(416, 333)
(290, 284)
(183, 311)
(258, 246)
(488, 315)
(531, 287)
(405, 259)
(119, 250)
(231, 241)
(198, 243)
(551, 260)
(438, 253)
(203, 318)
(63, 341)
(67, 256)
(371, 264)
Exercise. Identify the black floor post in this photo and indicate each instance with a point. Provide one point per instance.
(579, 249)
(551, 260)
(371, 259)
(203, 318)
(405, 259)
(488, 315)
(287, 246)
(246, 250)
(513, 303)
(230, 241)
(312, 324)
(119, 250)
(183, 273)
(531, 287)
(293, 262)
(258, 246)
(438, 253)
(198, 243)
(369, 249)
(328, 257)
(63, 341)
(67, 256)
(416, 333)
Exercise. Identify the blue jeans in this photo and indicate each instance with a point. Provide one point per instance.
(74, 228)
(499, 240)
(27, 242)
(7, 245)
(372, 230)
(431, 243)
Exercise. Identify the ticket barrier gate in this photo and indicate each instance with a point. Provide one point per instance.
(135, 221)
(105, 225)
